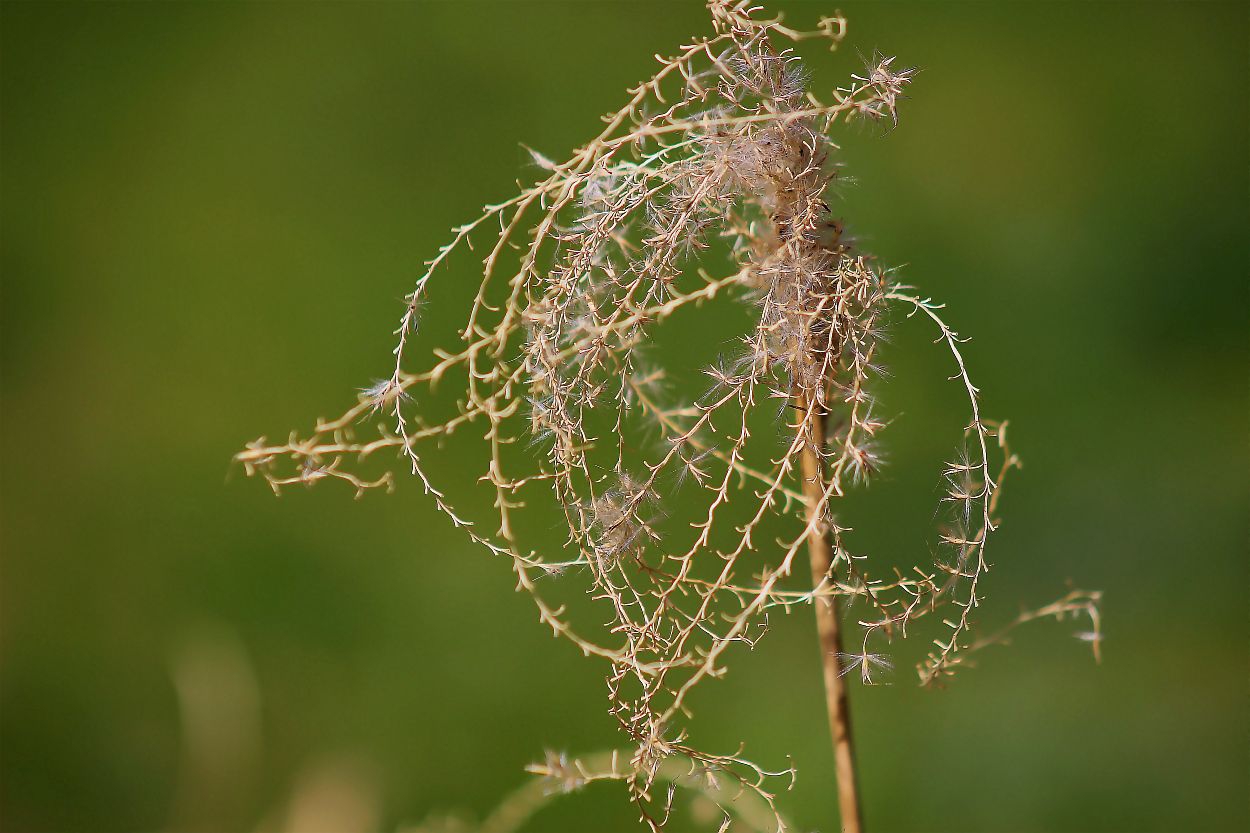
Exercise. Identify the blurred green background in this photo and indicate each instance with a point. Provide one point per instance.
(210, 213)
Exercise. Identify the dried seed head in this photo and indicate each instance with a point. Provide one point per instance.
(585, 269)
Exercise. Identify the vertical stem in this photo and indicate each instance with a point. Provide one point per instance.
(820, 548)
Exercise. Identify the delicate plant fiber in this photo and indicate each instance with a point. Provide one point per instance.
(710, 186)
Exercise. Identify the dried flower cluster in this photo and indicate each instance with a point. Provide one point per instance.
(722, 156)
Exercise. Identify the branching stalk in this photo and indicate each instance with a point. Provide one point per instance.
(712, 187)
(821, 550)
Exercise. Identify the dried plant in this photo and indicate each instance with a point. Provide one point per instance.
(722, 156)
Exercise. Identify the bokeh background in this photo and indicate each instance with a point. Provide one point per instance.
(210, 213)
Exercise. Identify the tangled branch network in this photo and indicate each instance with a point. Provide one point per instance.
(722, 157)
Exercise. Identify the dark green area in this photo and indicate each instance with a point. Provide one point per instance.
(210, 213)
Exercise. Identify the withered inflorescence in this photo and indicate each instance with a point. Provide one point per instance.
(722, 156)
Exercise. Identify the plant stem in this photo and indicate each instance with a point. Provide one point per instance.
(820, 548)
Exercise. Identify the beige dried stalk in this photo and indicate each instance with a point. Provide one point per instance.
(722, 155)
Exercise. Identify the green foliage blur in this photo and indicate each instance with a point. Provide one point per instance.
(210, 214)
